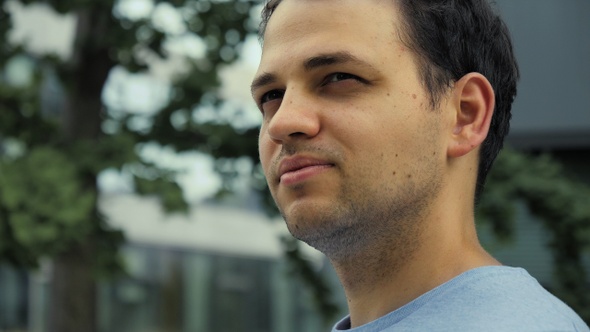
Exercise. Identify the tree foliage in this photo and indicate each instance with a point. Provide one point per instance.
(51, 153)
(559, 202)
(32, 226)
(50, 182)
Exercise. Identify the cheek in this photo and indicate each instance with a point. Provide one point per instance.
(265, 151)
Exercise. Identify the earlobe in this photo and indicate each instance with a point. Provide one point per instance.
(473, 107)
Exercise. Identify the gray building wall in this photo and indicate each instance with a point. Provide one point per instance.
(552, 44)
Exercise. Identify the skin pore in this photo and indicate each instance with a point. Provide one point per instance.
(359, 164)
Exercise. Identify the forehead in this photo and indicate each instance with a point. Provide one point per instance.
(309, 6)
(300, 28)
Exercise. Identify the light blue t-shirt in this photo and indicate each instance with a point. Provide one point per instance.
(491, 298)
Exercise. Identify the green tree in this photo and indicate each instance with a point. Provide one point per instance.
(50, 158)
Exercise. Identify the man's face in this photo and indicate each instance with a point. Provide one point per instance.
(349, 145)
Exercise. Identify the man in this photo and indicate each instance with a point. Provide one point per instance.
(381, 119)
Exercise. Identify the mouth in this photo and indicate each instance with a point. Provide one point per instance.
(298, 169)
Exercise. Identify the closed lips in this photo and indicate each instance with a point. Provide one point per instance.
(294, 164)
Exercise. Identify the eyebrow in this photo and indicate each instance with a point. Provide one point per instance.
(318, 61)
(262, 80)
(330, 59)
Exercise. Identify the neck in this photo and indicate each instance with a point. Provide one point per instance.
(392, 273)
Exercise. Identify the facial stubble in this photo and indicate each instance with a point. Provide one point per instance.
(371, 225)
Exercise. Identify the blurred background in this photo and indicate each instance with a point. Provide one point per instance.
(132, 200)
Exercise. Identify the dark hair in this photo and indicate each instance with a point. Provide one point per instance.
(452, 38)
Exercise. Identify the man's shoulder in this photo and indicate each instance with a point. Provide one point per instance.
(498, 298)
(485, 299)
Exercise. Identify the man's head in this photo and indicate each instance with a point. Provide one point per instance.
(450, 39)
(363, 135)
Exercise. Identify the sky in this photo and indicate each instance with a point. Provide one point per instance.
(44, 31)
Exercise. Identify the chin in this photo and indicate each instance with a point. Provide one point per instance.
(323, 232)
(302, 226)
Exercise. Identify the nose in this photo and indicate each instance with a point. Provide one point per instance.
(296, 118)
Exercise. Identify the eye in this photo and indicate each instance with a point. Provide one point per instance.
(337, 77)
(270, 96)
(267, 99)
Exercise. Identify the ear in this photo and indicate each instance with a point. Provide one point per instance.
(473, 107)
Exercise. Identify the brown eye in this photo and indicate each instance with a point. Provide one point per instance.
(270, 96)
(337, 77)
(340, 77)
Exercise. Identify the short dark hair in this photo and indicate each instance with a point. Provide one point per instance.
(452, 38)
